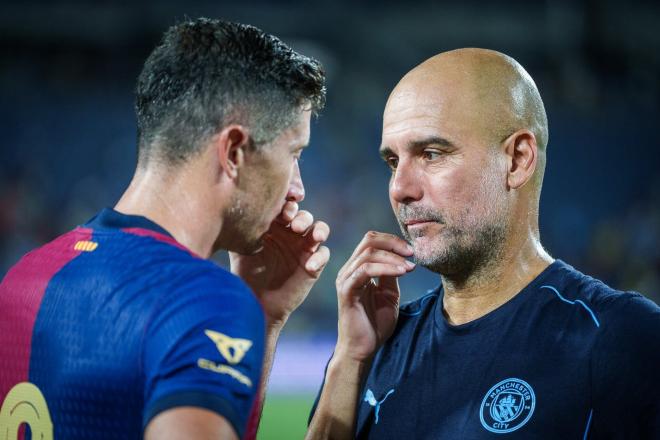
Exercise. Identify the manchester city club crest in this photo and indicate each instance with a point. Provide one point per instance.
(507, 406)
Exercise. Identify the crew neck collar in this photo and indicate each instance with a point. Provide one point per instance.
(503, 310)
(108, 218)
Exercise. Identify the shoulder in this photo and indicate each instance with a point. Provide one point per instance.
(176, 274)
(605, 306)
(420, 305)
(413, 317)
(207, 290)
(414, 313)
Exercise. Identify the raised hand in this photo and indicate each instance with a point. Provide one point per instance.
(368, 308)
(283, 272)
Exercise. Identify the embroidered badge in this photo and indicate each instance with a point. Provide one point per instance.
(507, 406)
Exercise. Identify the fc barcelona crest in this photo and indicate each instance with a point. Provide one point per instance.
(507, 406)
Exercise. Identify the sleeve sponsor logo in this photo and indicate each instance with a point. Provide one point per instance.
(233, 350)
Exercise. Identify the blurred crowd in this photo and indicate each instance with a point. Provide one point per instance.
(68, 132)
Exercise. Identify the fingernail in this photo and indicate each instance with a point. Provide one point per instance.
(410, 248)
(313, 266)
(410, 264)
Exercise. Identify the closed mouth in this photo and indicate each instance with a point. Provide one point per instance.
(418, 222)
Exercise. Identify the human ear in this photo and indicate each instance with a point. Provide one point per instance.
(231, 145)
(522, 156)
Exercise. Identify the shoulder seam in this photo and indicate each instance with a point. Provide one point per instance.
(573, 302)
(420, 302)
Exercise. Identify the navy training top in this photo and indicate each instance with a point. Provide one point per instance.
(566, 358)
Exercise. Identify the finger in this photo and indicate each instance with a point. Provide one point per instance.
(317, 261)
(317, 234)
(374, 255)
(302, 222)
(288, 213)
(360, 277)
(379, 240)
(390, 284)
(382, 240)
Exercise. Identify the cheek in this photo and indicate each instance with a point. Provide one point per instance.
(451, 193)
(488, 195)
(277, 183)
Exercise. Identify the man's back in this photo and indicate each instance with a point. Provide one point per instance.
(115, 322)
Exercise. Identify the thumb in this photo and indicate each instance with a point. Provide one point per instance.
(388, 283)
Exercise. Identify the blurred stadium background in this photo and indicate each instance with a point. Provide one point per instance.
(68, 131)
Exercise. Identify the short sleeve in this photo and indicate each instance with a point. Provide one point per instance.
(204, 347)
(626, 375)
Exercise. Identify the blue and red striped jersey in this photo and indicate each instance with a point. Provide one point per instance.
(114, 322)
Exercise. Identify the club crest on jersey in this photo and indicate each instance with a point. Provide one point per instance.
(507, 406)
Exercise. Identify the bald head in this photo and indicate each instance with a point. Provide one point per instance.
(464, 134)
(487, 90)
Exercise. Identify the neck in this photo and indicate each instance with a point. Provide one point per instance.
(497, 281)
(178, 202)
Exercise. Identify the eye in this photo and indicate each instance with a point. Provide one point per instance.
(392, 162)
(431, 155)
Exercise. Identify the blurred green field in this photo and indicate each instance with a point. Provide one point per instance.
(285, 417)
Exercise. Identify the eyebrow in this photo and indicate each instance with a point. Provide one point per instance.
(386, 151)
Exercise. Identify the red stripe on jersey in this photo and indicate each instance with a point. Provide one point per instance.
(255, 415)
(160, 237)
(21, 292)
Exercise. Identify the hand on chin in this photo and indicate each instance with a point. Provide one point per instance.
(284, 268)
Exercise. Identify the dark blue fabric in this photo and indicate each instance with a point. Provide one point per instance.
(567, 358)
(121, 336)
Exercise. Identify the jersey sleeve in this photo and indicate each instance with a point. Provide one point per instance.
(204, 347)
(625, 371)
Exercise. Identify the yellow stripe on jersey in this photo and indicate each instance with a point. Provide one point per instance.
(86, 246)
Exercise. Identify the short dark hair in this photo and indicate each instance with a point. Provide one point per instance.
(206, 74)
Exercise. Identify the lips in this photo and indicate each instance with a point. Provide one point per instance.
(417, 222)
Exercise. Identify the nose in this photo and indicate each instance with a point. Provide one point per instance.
(406, 184)
(296, 191)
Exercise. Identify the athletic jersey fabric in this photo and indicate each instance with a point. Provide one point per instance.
(568, 357)
(114, 322)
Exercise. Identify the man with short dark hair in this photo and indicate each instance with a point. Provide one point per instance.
(122, 327)
(513, 344)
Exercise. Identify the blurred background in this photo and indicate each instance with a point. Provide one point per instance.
(68, 130)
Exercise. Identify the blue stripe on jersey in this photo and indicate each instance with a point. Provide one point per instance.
(586, 430)
(577, 301)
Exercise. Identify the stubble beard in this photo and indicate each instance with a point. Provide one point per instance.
(458, 253)
(240, 226)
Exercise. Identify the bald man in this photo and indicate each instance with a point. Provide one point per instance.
(514, 342)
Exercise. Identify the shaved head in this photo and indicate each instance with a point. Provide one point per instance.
(465, 135)
(490, 91)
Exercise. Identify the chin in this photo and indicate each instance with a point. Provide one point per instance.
(427, 252)
(253, 246)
